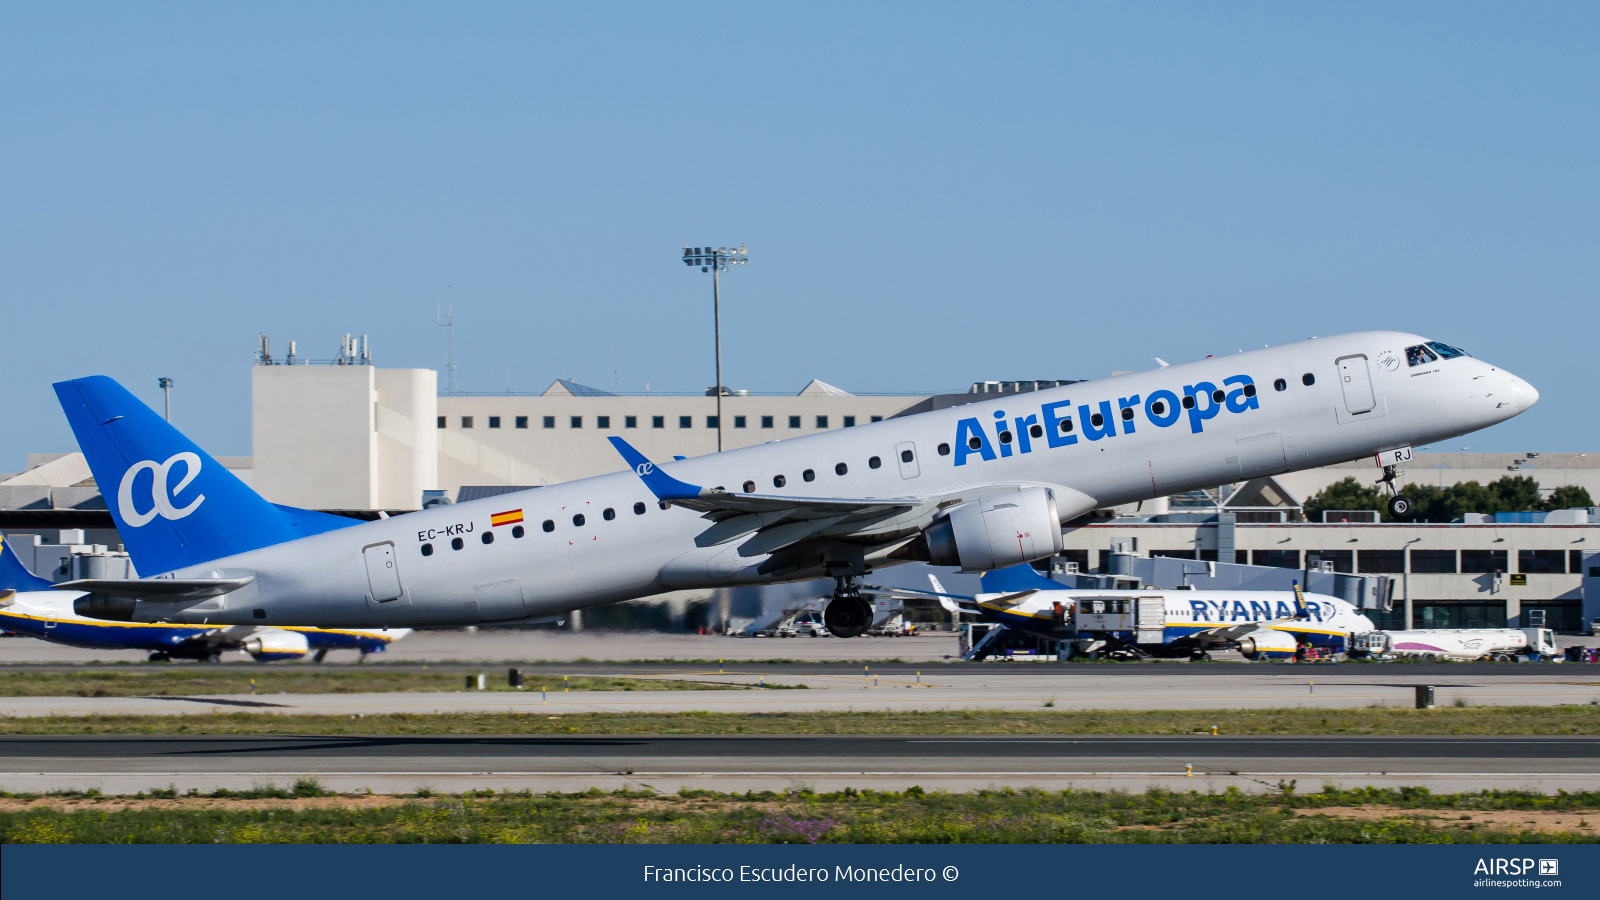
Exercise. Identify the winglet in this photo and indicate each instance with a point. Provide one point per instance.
(14, 575)
(664, 486)
(1300, 611)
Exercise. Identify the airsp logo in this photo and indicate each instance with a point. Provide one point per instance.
(160, 492)
(1388, 361)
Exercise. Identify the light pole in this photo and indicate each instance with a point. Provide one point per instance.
(716, 260)
(166, 388)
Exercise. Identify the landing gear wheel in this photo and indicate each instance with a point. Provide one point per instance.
(847, 615)
(1400, 506)
(1200, 656)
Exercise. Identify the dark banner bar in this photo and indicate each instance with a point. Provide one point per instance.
(590, 872)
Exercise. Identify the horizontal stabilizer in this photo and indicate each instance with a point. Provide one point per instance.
(158, 588)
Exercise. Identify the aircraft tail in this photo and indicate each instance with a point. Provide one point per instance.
(14, 576)
(174, 506)
(1021, 577)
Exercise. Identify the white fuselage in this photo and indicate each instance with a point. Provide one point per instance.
(1159, 449)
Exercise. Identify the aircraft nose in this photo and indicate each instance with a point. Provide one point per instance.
(1529, 393)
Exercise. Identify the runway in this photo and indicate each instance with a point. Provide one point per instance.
(127, 764)
(905, 688)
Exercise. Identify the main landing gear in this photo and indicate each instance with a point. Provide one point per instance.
(1399, 504)
(849, 614)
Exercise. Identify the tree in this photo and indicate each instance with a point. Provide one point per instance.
(1569, 496)
(1346, 494)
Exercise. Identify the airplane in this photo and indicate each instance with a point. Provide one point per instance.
(1156, 622)
(982, 487)
(29, 606)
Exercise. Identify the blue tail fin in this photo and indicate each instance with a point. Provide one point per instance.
(1018, 578)
(14, 576)
(174, 505)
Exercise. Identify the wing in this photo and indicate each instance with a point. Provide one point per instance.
(955, 603)
(158, 588)
(714, 501)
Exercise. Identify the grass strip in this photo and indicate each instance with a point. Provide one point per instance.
(306, 814)
(1478, 720)
(189, 681)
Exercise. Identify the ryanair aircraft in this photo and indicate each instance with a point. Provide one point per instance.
(983, 487)
(30, 606)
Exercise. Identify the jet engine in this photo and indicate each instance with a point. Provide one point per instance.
(272, 646)
(1004, 530)
(1267, 645)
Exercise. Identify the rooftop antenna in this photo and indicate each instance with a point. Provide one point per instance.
(449, 324)
(166, 388)
(289, 360)
(263, 350)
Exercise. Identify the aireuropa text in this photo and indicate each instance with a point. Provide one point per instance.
(793, 873)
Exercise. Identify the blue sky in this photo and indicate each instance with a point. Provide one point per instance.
(932, 194)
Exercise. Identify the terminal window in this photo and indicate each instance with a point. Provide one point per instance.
(822, 421)
(738, 421)
(1474, 561)
(441, 421)
(686, 421)
(880, 419)
(711, 421)
(602, 421)
(1343, 560)
(794, 421)
(658, 421)
(766, 421)
(577, 421)
(549, 421)
(494, 421)
(1542, 562)
(466, 421)
(1280, 559)
(1433, 562)
(522, 421)
(849, 421)
(1375, 562)
(630, 421)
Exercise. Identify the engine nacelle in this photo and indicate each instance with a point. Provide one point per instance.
(273, 646)
(995, 532)
(1268, 645)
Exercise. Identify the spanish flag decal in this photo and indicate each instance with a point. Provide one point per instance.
(505, 518)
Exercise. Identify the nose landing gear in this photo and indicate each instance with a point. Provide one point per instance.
(848, 614)
(1399, 504)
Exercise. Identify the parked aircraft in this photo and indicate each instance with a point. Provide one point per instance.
(29, 606)
(981, 486)
(1159, 622)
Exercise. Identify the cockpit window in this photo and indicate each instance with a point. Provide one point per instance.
(1419, 355)
(1446, 351)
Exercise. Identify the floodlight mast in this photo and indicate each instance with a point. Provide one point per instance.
(716, 260)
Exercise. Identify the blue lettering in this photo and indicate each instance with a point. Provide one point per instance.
(1201, 614)
(1024, 444)
(1000, 430)
(968, 431)
(1169, 408)
(1283, 610)
(1239, 612)
(1260, 610)
(1237, 401)
(1087, 418)
(1204, 406)
(1056, 429)
(1128, 403)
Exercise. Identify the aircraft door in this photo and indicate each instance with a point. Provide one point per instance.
(1357, 384)
(906, 454)
(383, 574)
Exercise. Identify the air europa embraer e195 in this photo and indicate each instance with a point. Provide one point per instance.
(982, 487)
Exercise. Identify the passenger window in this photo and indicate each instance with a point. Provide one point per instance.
(944, 449)
(488, 537)
(1218, 396)
(905, 455)
(809, 475)
(1419, 356)
(1127, 414)
(457, 543)
(779, 481)
(427, 549)
(975, 442)
(1005, 436)
(1308, 379)
(1188, 401)
(1158, 408)
(1280, 385)
(549, 525)
(1446, 351)
(1036, 431)
(749, 487)
(518, 531)
(609, 514)
(1249, 390)
(840, 469)
(1066, 426)
(638, 509)
(1096, 420)
(874, 463)
(578, 520)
